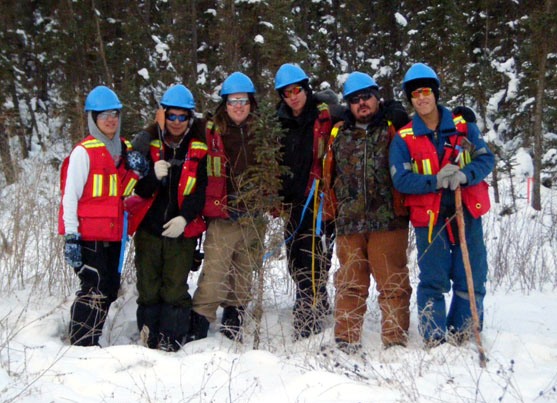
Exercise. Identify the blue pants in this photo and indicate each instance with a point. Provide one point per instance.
(440, 265)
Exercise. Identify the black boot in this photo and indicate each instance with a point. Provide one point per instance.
(307, 320)
(173, 327)
(232, 320)
(148, 318)
(88, 314)
(199, 327)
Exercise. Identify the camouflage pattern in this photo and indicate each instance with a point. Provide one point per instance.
(362, 181)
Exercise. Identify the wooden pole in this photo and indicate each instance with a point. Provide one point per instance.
(469, 278)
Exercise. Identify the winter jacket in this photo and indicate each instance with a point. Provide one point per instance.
(302, 150)
(423, 199)
(361, 178)
(166, 203)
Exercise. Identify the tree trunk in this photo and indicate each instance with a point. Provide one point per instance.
(5, 156)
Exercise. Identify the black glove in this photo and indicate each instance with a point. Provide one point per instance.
(89, 277)
(395, 112)
(137, 162)
(72, 250)
(467, 113)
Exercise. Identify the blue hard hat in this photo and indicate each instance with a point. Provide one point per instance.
(102, 98)
(178, 96)
(357, 81)
(289, 74)
(419, 71)
(235, 83)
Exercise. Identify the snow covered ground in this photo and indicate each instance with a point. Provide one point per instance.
(38, 365)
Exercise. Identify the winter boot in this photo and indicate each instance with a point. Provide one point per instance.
(232, 320)
(199, 327)
(306, 319)
(173, 327)
(88, 314)
(148, 317)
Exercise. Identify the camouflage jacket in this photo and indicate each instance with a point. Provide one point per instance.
(362, 181)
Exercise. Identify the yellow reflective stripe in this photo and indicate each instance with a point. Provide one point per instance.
(458, 119)
(406, 132)
(335, 131)
(94, 143)
(210, 125)
(209, 165)
(415, 167)
(430, 226)
(113, 185)
(155, 143)
(426, 165)
(128, 144)
(467, 157)
(216, 166)
(190, 184)
(129, 188)
(198, 145)
(97, 185)
(323, 107)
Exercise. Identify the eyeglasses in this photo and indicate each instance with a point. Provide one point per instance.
(237, 101)
(181, 118)
(292, 91)
(356, 99)
(425, 91)
(108, 114)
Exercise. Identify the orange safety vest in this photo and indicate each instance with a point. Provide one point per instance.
(216, 197)
(137, 206)
(321, 131)
(100, 208)
(424, 208)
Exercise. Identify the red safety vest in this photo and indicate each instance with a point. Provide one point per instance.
(424, 208)
(216, 195)
(100, 208)
(321, 131)
(137, 206)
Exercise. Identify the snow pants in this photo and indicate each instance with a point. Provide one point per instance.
(99, 288)
(442, 269)
(381, 254)
(233, 253)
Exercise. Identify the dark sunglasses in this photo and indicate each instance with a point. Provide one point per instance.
(181, 118)
(356, 99)
(292, 91)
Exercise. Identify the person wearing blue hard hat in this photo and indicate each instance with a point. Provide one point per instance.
(166, 213)
(371, 228)
(233, 244)
(100, 171)
(437, 155)
(306, 124)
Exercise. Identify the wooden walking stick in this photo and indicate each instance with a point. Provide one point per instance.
(469, 278)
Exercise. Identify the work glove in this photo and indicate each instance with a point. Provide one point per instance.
(444, 174)
(457, 179)
(174, 227)
(72, 250)
(137, 162)
(89, 276)
(395, 112)
(467, 113)
(161, 169)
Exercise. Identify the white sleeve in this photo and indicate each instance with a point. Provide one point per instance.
(78, 172)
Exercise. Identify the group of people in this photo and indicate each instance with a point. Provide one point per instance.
(357, 175)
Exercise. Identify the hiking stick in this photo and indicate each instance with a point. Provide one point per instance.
(469, 278)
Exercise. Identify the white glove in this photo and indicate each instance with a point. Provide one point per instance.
(175, 227)
(457, 179)
(444, 174)
(161, 169)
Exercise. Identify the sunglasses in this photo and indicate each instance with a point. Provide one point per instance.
(237, 101)
(108, 114)
(292, 91)
(356, 99)
(425, 91)
(180, 118)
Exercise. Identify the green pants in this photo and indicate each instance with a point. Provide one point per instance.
(163, 265)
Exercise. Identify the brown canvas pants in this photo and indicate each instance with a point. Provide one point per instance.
(381, 254)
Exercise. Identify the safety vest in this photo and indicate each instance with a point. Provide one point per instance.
(424, 208)
(137, 206)
(100, 208)
(321, 131)
(216, 193)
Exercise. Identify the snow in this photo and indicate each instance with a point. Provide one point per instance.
(259, 39)
(144, 73)
(401, 20)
